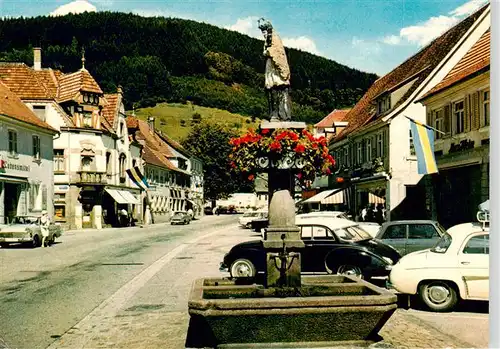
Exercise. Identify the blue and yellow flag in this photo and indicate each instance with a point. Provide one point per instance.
(423, 141)
(138, 178)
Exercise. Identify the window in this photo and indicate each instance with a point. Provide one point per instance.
(87, 119)
(86, 164)
(384, 104)
(60, 211)
(306, 232)
(486, 108)
(395, 232)
(412, 145)
(458, 112)
(319, 232)
(360, 153)
(346, 157)
(35, 197)
(478, 245)
(12, 142)
(443, 244)
(380, 145)
(122, 163)
(39, 111)
(36, 148)
(438, 123)
(109, 165)
(369, 149)
(59, 160)
(422, 231)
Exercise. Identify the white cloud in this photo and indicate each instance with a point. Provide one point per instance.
(423, 33)
(78, 6)
(246, 26)
(302, 43)
(365, 48)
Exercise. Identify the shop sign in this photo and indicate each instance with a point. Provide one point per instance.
(18, 167)
(62, 187)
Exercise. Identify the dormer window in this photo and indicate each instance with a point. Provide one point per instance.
(383, 104)
(90, 98)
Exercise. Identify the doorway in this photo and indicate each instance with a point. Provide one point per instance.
(11, 199)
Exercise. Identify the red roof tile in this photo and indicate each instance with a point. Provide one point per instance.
(22, 80)
(111, 110)
(419, 66)
(334, 116)
(476, 59)
(12, 106)
(132, 122)
(71, 84)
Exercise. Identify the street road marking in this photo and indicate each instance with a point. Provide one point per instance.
(85, 330)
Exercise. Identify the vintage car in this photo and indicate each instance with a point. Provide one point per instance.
(246, 220)
(332, 245)
(457, 267)
(411, 235)
(26, 229)
(180, 217)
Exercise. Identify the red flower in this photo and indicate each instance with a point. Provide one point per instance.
(299, 175)
(265, 131)
(293, 136)
(328, 171)
(281, 136)
(315, 145)
(251, 177)
(275, 145)
(233, 164)
(300, 148)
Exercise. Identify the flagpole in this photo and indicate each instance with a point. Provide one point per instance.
(425, 125)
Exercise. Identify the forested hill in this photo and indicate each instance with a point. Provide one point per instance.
(166, 59)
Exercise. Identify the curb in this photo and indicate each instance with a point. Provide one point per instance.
(105, 230)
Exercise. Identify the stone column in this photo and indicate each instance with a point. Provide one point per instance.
(78, 224)
(282, 243)
(97, 217)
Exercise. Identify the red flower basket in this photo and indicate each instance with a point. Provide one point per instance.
(307, 156)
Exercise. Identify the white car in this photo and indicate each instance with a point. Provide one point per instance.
(371, 227)
(249, 216)
(457, 267)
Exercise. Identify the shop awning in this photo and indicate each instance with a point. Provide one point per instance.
(374, 199)
(337, 197)
(129, 197)
(122, 196)
(5, 178)
(319, 197)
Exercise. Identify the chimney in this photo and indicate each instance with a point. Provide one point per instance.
(37, 58)
(151, 123)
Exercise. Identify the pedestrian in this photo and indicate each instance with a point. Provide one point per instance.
(370, 213)
(364, 212)
(379, 218)
(44, 226)
(124, 217)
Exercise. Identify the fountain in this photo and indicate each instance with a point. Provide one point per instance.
(288, 310)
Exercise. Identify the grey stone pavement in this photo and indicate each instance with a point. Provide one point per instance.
(149, 310)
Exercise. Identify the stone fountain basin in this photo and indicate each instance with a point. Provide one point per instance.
(330, 311)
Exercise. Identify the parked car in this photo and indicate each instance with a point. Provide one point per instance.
(457, 267)
(27, 229)
(247, 218)
(208, 211)
(332, 245)
(412, 235)
(180, 217)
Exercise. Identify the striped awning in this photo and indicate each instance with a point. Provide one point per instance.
(337, 197)
(374, 199)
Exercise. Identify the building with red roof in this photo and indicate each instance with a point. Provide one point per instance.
(459, 107)
(374, 152)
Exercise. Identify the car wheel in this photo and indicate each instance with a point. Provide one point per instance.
(439, 296)
(35, 242)
(348, 269)
(242, 268)
(248, 225)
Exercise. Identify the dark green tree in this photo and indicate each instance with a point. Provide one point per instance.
(210, 143)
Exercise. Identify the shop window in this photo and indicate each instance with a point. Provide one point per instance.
(59, 160)
(12, 142)
(60, 211)
(486, 108)
(36, 147)
(459, 117)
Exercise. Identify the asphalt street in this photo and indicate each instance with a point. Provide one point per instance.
(128, 288)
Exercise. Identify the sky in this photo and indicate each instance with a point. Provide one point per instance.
(370, 35)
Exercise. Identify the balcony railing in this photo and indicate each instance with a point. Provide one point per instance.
(92, 177)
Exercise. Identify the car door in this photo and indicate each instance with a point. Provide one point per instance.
(473, 263)
(318, 242)
(421, 236)
(395, 236)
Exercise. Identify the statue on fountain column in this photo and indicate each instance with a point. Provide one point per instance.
(277, 74)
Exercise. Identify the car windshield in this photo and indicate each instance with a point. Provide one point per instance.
(178, 214)
(441, 229)
(352, 233)
(443, 244)
(251, 214)
(24, 220)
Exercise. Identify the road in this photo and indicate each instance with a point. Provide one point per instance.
(128, 288)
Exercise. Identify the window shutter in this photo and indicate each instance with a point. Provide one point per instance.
(374, 147)
(481, 116)
(385, 143)
(466, 113)
(476, 111)
(431, 119)
(447, 120)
